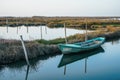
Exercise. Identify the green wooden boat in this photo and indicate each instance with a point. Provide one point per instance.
(81, 46)
(68, 59)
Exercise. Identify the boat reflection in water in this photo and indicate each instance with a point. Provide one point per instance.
(70, 58)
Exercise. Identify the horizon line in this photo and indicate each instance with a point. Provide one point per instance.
(60, 16)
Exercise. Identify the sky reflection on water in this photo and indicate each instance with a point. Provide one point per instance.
(33, 33)
(100, 66)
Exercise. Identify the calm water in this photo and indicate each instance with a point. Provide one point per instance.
(33, 33)
(100, 64)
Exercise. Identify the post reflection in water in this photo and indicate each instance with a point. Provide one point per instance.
(73, 57)
(27, 72)
(86, 65)
(65, 70)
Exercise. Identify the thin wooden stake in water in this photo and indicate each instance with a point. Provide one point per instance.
(65, 34)
(41, 31)
(25, 52)
(17, 29)
(7, 24)
(86, 38)
(17, 25)
(27, 29)
(46, 29)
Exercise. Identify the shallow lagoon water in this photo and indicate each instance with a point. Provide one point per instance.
(101, 65)
(34, 32)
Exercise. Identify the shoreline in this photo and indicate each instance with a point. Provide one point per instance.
(11, 50)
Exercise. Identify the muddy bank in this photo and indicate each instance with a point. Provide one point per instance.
(11, 52)
(111, 36)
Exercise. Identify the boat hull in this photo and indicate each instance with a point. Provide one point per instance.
(81, 46)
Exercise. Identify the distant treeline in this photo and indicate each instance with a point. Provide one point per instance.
(72, 22)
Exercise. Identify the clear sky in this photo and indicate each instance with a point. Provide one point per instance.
(59, 7)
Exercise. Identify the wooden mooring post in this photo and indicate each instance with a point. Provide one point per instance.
(17, 29)
(86, 33)
(27, 29)
(41, 31)
(25, 51)
(7, 24)
(65, 34)
(46, 29)
(17, 25)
